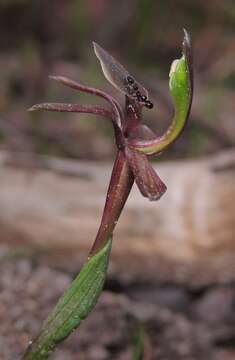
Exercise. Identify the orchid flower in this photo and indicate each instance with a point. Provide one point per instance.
(135, 142)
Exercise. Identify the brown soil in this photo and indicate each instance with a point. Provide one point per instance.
(176, 322)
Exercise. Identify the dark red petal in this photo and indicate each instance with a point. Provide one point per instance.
(61, 107)
(93, 91)
(147, 180)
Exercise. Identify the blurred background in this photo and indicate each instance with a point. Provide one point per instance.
(42, 38)
(54, 171)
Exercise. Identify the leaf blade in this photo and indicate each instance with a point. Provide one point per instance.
(74, 305)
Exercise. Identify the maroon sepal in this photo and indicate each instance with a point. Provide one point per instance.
(147, 180)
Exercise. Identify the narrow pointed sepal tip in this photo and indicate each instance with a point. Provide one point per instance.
(186, 40)
(33, 108)
(94, 44)
(47, 107)
(186, 33)
(38, 107)
(96, 48)
(188, 54)
(56, 77)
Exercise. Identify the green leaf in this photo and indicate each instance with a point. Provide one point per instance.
(138, 343)
(74, 306)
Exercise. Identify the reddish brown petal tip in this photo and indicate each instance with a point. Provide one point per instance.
(146, 178)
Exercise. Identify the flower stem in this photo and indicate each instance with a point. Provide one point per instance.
(120, 185)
